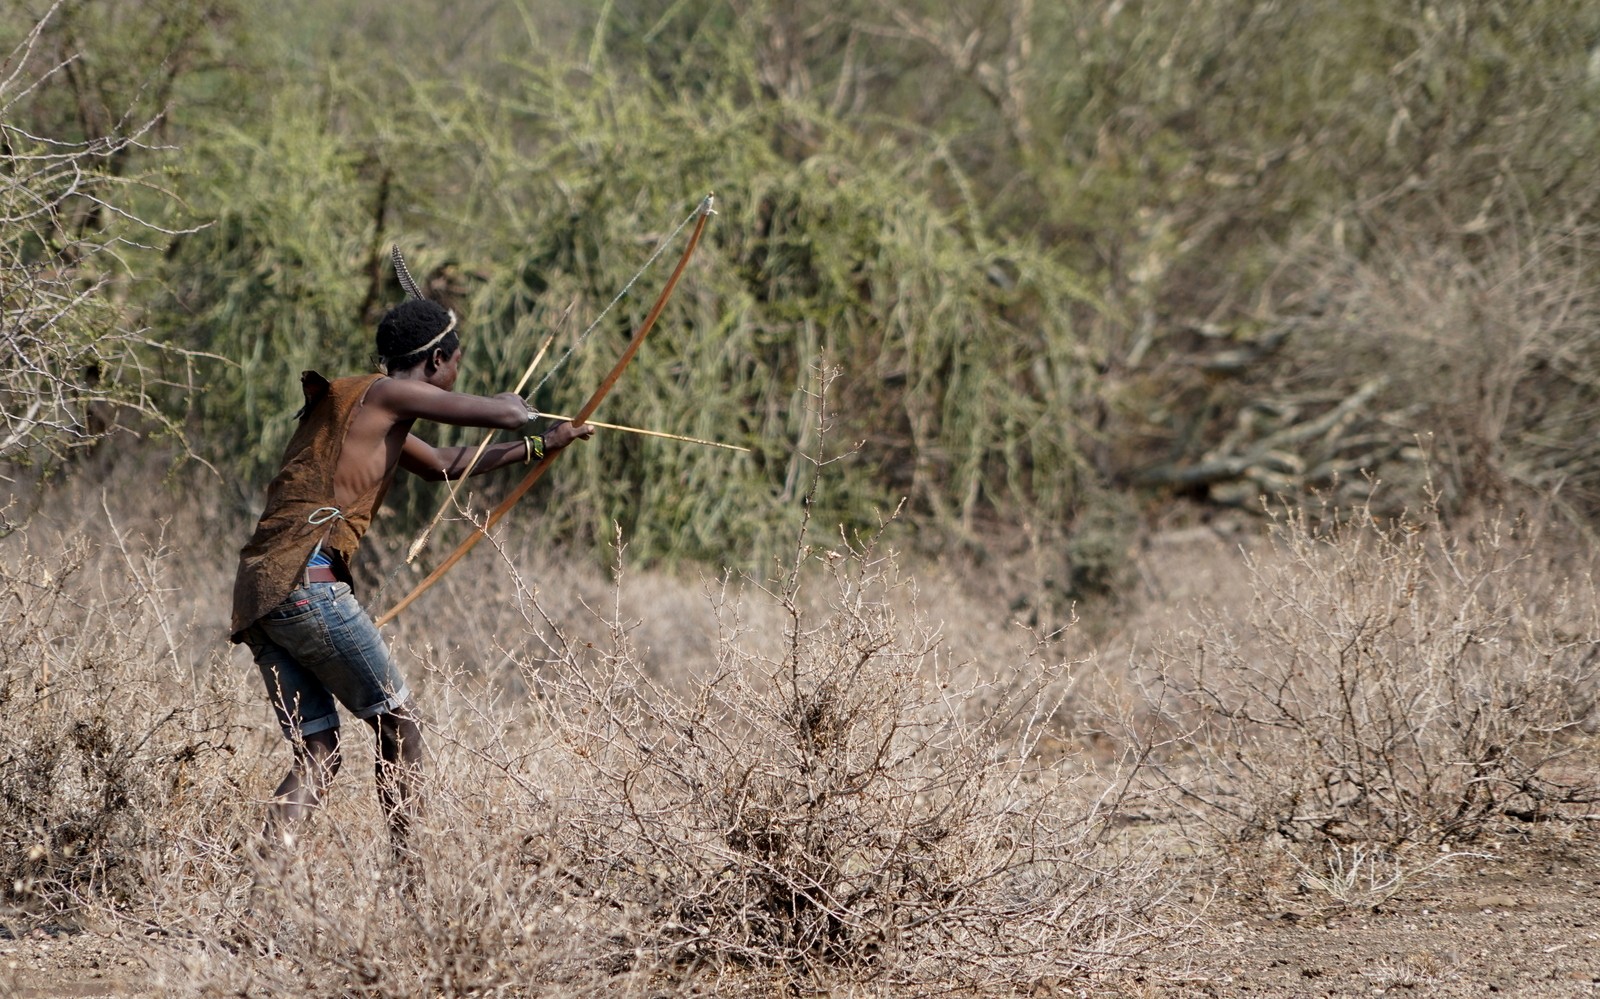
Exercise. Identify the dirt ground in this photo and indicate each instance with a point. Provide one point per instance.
(1524, 920)
(1524, 923)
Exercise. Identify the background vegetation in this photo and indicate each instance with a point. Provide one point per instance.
(1074, 259)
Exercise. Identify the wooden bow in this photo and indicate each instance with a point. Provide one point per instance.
(705, 212)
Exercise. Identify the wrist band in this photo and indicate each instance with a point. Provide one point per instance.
(535, 446)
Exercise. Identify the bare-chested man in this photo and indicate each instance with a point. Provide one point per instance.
(292, 603)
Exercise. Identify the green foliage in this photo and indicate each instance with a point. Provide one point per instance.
(271, 287)
(1057, 251)
(938, 331)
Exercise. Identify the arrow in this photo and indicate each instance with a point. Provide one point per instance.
(649, 433)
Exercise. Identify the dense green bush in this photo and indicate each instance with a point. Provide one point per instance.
(1064, 255)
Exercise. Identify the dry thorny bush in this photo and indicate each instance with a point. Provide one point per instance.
(1388, 685)
(1492, 352)
(108, 720)
(834, 802)
(847, 800)
(844, 808)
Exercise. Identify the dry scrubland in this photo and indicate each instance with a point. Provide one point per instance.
(1092, 270)
(847, 777)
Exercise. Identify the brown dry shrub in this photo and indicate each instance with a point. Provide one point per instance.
(838, 805)
(108, 718)
(1387, 683)
(850, 800)
(1489, 351)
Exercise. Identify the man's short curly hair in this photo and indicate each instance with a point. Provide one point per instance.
(407, 334)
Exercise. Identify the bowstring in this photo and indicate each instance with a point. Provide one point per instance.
(660, 249)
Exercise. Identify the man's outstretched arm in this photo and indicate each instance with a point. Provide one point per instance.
(436, 464)
(411, 399)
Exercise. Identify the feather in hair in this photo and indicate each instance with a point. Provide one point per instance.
(403, 272)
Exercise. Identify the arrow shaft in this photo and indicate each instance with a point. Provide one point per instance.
(650, 433)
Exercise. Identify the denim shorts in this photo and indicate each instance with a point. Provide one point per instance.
(319, 645)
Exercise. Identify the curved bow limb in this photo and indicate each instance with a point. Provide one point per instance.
(534, 474)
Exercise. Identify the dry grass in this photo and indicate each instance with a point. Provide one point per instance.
(642, 786)
(801, 786)
(1367, 688)
(113, 719)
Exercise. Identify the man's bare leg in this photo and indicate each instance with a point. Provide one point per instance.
(399, 778)
(316, 762)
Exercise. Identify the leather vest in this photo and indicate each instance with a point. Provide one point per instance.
(301, 510)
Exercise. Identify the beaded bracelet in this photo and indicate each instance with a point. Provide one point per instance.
(535, 446)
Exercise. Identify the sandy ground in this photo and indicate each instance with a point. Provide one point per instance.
(1523, 921)
(1524, 924)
